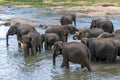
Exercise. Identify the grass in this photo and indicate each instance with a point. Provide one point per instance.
(65, 3)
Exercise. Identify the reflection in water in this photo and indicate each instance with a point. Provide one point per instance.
(13, 65)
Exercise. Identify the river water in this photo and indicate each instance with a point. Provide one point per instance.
(13, 65)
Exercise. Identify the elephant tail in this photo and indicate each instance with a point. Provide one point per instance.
(89, 55)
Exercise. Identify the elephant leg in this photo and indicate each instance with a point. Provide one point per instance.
(66, 63)
(33, 50)
(19, 47)
(46, 46)
(63, 64)
(87, 65)
(82, 66)
(50, 47)
(39, 48)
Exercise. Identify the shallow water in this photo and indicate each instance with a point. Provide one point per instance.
(13, 65)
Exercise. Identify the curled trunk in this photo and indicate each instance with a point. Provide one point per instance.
(54, 57)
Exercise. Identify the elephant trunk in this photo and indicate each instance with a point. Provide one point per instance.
(7, 40)
(54, 57)
(25, 49)
(75, 22)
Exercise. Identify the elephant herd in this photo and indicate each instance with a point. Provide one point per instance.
(99, 42)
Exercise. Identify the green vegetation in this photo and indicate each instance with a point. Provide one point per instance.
(66, 3)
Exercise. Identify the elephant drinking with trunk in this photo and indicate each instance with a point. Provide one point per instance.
(88, 33)
(74, 52)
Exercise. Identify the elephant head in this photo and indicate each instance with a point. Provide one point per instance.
(12, 30)
(57, 50)
(81, 34)
(27, 42)
(93, 24)
(71, 28)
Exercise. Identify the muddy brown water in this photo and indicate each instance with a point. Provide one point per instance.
(13, 65)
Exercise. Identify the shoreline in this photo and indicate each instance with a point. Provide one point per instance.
(90, 11)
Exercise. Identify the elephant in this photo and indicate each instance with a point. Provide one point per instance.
(62, 31)
(32, 41)
(50, 39)
(74, 52)
(101, 49)
(88, 33)
(106, 35)
(19, 30)
(105, 24)
(68, 19)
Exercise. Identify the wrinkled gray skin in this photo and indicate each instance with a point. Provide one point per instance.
(74, 52)
(88, 33)
(31, 41)
(68, 19)
(62, 31)
(101, 49)
(19, 30)
(50, 39)
(105, 24)
(116, 41)
(106, 35)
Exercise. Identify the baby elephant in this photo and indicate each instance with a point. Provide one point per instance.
(31, 41)
(74, 52)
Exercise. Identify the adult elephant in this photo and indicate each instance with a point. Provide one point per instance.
(88, 33)
(101, 49)
(74, 52)
(68, 19)
(50, 39)
(31, 41)
(19, 30)
(105, 24)
(62, 31)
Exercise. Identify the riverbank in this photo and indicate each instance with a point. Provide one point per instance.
(90, 11)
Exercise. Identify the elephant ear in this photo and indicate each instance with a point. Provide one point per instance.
(85, 41)
(58, 46)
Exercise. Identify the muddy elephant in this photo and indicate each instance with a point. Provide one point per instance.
(68, 19)
(62, 31)
(31, 41)
(105, 24)
(88, 33)
(101, 49)
(74, 52)
(19, 30)
(106, 35)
